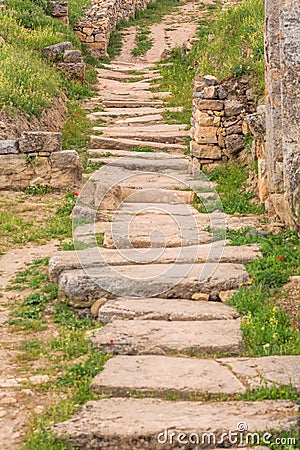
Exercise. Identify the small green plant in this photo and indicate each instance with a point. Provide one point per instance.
(31, 160)
(142, 149)
(143, 42)
(38, 189)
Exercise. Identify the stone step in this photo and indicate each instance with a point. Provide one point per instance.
(128, 423)
(147, 119)
(82, 287)
(70, 260)
(128, 144)
(128, 103)
(153, 135)
(278, 370)
(139, 163)
(131, 112)
(159, 337)
(164, 309)
(121, 76)
(100, 153)
(162, 375)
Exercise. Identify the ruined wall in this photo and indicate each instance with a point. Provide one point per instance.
(282, 58)
(218, 129)
(36, 158)
(100, 21)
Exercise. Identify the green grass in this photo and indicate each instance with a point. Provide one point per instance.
(143, 42)
(267, 329)
(17, 230)
(232, 184)
(143, 19)
(235, 50)
(28, 82)
(142, 149)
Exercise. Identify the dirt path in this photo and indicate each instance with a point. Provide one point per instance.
(174, 30)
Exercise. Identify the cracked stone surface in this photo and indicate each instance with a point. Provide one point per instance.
(149, 337)
(279, 370)
(135, 423)
(164, 374)
(164, 309)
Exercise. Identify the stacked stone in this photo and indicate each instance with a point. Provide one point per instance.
(60, 10)
(37, 158)
(101, 20)
(217, 132)
(67, 59)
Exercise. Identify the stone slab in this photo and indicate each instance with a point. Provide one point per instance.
(280, 370)
(68, 260)
(128, 144)
(132, 111)
(164, 309)
(158, 337)
(131, 103)
(8, 146)
(81, 289)
(127, 423)
(149, 119)
(160, 375)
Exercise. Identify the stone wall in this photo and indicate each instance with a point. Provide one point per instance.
(101, 19)
(37, 158)
(60, 10)
(67, 59)
(217, 123)
(282, 58)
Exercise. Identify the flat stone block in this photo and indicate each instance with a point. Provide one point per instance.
(158, 337)
(162, 374)
(164, 309)
(149, 280)
(280, 370)
(38, 141)
(147, 423)
(9, 146)
(206, 105)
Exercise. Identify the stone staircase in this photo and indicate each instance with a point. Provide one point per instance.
(176, 352)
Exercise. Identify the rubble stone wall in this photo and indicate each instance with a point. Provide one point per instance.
(218, 119)
(37, 158)
(101, 19)
(282, 58)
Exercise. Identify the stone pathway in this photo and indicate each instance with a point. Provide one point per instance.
(157, 284)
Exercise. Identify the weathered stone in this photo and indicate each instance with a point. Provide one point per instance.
(206, 120)
(158, 337)
(165, 374)
(210, 92)
(205, 105)
(65, 261)
(206, 151)
(210, 80)
(279, 370)
(234, 143)
(40, 141)
(9, 146)
(53, 51)
(235, 129)
(163, 309)
(97, 305)
(60, 11)
(233, 108)
(140, 423)
(72, 56)
(128, 144)
(206, 135)
(221, 92)
(149, 280)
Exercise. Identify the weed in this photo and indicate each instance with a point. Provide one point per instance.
(142, 149)
(143, 43)
(38, 189)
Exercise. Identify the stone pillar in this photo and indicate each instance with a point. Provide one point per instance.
(282, 43)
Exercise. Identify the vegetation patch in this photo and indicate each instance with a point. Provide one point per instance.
(230, 44)
(28, 81)
(267, 329)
